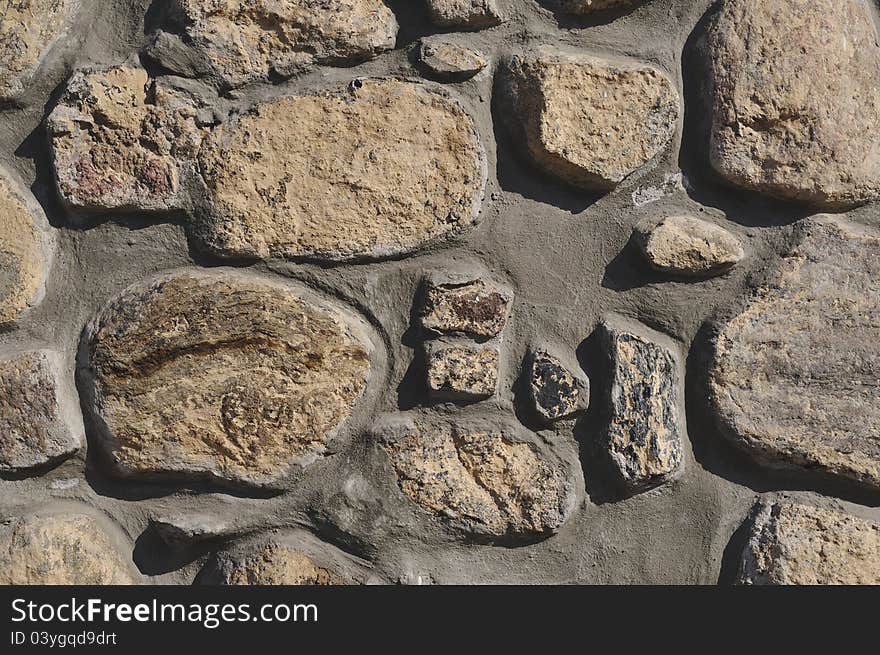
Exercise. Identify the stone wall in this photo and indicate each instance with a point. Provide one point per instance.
(439, 291)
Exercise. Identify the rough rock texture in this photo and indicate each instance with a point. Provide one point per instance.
(482, 480)
(465, 14)
(37, 425)
(180, 530)
(220, 375)
(644, 436)
(683, 245)
(270, 564)
(793, 544)
(795, 93)
(592, 6)
(555, 392)
(466, 306)
(794, 374)
(244, 41)
(60, 549)
(28, 29)
(449, 61)
(25, 251)
(374, 170)
(120, 141)
(461, 371)
(588, 121)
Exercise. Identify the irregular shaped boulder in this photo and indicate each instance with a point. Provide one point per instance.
(794, 544)
(221, 376)
(462, 371)
(449, 61)
(555, 391)
(465, 14)
(375, 170)
(38, 425)
(587, 121)
(793, 377)
(683, 245)
(465, 306)
(269, 564)
(795, 96)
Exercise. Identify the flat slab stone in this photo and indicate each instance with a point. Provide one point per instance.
(464, 306)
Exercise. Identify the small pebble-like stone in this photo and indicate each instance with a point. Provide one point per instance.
(683, 245)
(795, 544)
(464, 306)
(461, 371)
(465, 14)
(448, 60)
(270, 564)
(555, 391)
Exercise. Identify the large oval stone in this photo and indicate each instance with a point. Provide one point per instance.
(372, 170)
(220, 375)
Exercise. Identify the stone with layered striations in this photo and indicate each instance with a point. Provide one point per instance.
(462, 370)
(795, 95)
(375, 169)
(465, 14)
(270, 564)
(795, 544)
(793, 378)
(220, 375)
(684, 245)
(585, 120)
(464, 305)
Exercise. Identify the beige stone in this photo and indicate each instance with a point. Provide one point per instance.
(586, 120)
(250, 40)
(66, 548)
(465, 14)
(221, 375)
(462, 371)
(25, 250)
(465, 306)
(794, 372)
(794, 544)
(481, 479)
(28, 29)
(38, 425)
(449, 60)
(377, 169)
(120, 141)
(795, 93)
(271, 564)
(684, 245)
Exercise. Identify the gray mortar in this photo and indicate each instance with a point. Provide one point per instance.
(563, 252)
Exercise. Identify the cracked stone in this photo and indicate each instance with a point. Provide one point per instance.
(466, 306)
(447, 60)
(462, 371)
(683, 245)
(555, 392)
(465, 14)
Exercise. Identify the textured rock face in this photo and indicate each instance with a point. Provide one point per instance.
(593, 6)
(644, 435)
(555, 392)
(588, 121)
(60, 550)
(481, 480)
(795, 93)
(180, 530)
(462, 371)
(375, 170)
(119, 141)
(794, 374)
(470, 307)
(795, 544)
(36, 423)
(684, 245)
(246, 40)
(465, 14)
(449, 61)
(271, 564)
(220, 375)
(24, 251)
(27, 30)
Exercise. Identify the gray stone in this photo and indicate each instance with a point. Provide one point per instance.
(180, 530)
(462, 371)
(684, 245)
(448, 60)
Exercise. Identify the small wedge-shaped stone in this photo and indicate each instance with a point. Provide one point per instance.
(794, 544)
(683, 245)
(376, 169)
(244, 41)
(220, 375)
(795, 93)
(794, 373)
(465, 306)
(644, 435)
(38, 424)
(465, 14)
(555, 391)
(588, 121)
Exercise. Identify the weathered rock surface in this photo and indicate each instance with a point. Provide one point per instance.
(644, 435)
(462, 371)
(588, 121)
(795, 93)
(28, 30)
(179, 530)
(25, 251)
(468, 306)
(38, 426)
(374, 170)
(248, 41)
(684, 245)
(793, 544)
(61, 549)
(465, 14)
(593, 6)
(271, 564)
(448, 60)
(221, 376)
(482, 480)
(121, 142)
(555, 391)
(794, 373)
